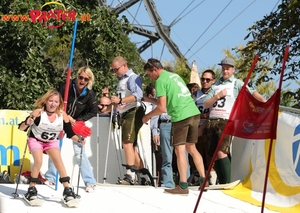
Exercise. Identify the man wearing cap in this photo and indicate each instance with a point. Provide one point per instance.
(221, 98)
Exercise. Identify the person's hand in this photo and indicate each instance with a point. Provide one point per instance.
(29, 121)
(81, 129)
(156, 140)
(81, 140)
(222, 93)
(145, 98)
(114, 99)
(145, 119)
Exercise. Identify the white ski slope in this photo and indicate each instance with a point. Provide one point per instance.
(114, 198)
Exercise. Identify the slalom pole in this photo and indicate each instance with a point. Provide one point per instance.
(274, 128)
(66, 93)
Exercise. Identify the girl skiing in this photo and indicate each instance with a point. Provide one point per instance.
(45, 124)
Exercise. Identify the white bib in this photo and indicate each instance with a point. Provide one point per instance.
(222, 108)
(47, 131)
(123, 92)
(199, 100)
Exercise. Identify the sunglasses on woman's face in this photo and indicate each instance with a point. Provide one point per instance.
(83, 78)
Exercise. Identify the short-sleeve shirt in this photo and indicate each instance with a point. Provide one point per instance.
(180, 104)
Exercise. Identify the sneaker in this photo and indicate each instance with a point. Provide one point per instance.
(68, 194)
(31, 194)
(177, 190)
(90, 188)
(127, 180)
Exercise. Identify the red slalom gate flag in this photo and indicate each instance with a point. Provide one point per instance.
(252, 119)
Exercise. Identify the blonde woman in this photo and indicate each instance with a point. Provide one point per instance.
(82, 105)
(46, 124)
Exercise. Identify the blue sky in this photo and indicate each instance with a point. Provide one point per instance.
(204, 27)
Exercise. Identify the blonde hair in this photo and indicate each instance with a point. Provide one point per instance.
(120, 60)
(89, 72)
(41, 102)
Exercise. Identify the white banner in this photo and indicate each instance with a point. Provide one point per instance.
(249, 159)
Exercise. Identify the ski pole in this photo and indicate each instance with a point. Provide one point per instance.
(98, 138)
(80, 162)
(108, 142)
(116, 142)
(15, 194)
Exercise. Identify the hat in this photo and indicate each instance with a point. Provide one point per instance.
(227, 61)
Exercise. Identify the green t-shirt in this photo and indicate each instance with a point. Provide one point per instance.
(180, 104)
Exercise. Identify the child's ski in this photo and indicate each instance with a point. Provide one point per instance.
(34, 202)
(74, 203)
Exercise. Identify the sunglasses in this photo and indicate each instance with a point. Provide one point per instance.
(206, 79)
(117, 69)
(83, 78)
(104, 105)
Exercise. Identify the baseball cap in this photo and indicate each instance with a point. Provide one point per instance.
(227, 61)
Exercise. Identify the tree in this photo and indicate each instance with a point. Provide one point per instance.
(180, 68)
(34, 58)
(270, 36)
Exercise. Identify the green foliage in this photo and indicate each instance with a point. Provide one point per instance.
(270, 36)
(35, 58)
(25, 69)
(179, 67)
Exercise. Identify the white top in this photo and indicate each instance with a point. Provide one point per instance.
(122, 92)
(47, 131)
